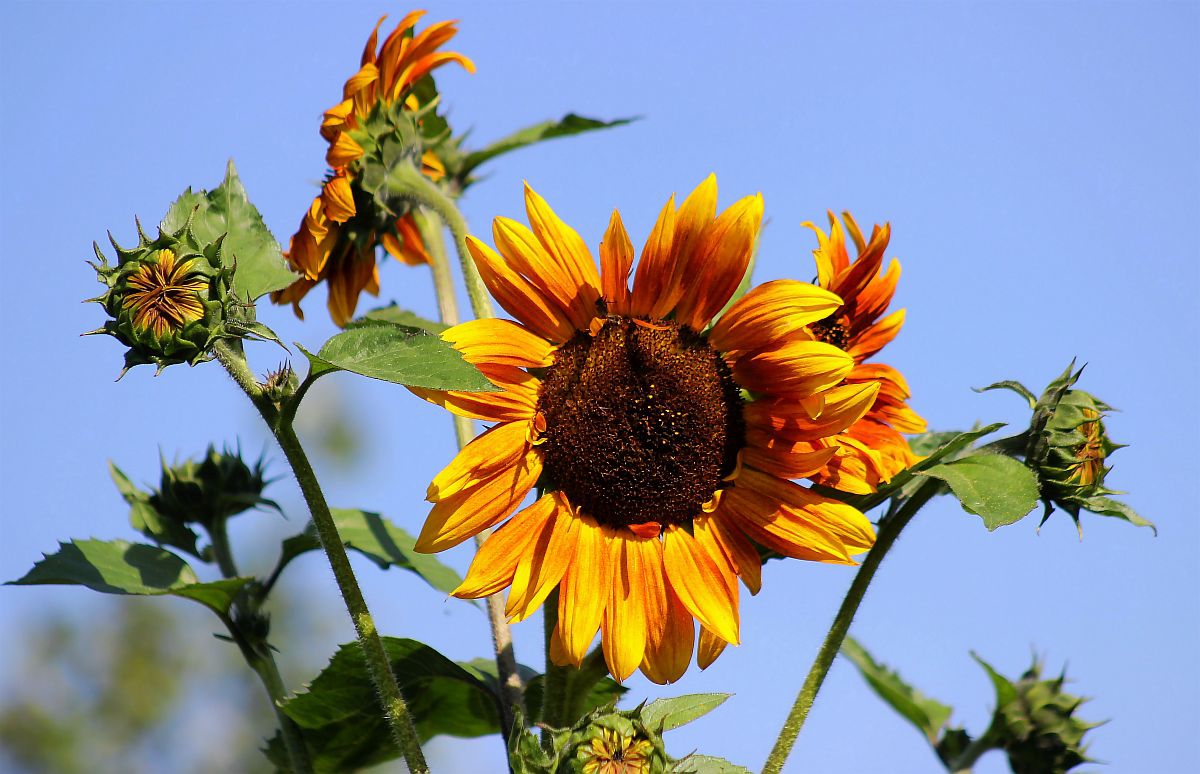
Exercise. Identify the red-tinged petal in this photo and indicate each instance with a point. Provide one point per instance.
(343, 151)
(623, 627)
(877, 336)
(772, 311)
(338, 199)
(655, 287)
(796, 368)
(711, 646)
(616, 262)
(669, 651)
(541, 568)
(721, 259)
(520, 297)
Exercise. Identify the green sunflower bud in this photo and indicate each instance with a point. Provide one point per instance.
(1035, 723)
(168, 298)
(1068, 447)
(610, 741)
(209, 491)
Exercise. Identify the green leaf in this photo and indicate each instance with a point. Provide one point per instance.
(146, 519)
(928, 715)
(1106, 506)
(398, 316)
(705, 764)
(547, 130)
(381, 541)
(948, 450)
(341, 720)
(398, 354)
(260, 267)
(673, 713)
(998, 489)
(119, 567)
(926, 443)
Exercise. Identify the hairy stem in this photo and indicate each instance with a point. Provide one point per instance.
(889, 530)
(378, 667)
(512, 690)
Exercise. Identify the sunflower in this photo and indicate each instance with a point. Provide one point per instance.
(164, 295)
(662, 448)
(872, 450)
(335, 242)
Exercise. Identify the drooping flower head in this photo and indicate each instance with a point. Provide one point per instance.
(662, 448)
(375, 121)
(871, 450)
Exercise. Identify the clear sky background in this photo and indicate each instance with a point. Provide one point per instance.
(1040, 168)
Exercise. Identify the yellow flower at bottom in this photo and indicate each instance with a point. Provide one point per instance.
(630, 416)
(614, 753)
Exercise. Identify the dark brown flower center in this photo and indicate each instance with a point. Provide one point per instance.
(831, 330)
(643, 421)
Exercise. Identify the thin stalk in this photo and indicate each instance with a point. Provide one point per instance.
(975, 750)
(406, 181)
(512, 689)
(378, 666)
(889, 530)
(259, 658)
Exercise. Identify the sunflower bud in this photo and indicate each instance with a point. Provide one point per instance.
(1068, 446)
(168, 298)
(613, 742)
(211, 490)
(1035, 723)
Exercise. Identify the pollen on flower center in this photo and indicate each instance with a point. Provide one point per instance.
(643, 421)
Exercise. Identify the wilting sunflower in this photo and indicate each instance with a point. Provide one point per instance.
(336, 242)
(662, 449)
(872, 450)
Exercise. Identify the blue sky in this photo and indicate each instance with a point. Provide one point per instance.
(1038, 163)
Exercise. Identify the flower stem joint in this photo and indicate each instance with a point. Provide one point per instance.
(168, 298)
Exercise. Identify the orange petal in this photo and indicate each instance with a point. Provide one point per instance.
(483, 505)
(502, 342)
(495, 563)
(500, 447)
(581, 596)
(797, 368)
(343, 151)
(700, 584)
(655, 287)
(527, 254)
(877, 336)
(520, 297)
(616, 261)
(736, 548)
(669, 652)
(541, 567)
(722, 258)
(773, 310)
(338, 198)
(782, 421)
(567, 249)
(623, 628)
(711, 646)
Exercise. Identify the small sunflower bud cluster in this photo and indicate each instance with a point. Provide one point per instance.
(204, 493)
(168, 298)
(1037, 726)
(606, 741)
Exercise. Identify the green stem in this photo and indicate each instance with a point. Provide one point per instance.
(378, 666)
(258, 655)
(554, 682)
(889, 530)
(512, 690)
(405, 181)
(579, 685)
(975, 750)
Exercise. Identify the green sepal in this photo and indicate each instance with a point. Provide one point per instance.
(135, 569)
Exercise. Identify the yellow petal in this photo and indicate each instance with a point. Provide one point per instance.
(669, 651)
(495, 563)
(722, 258)
(541, 568)
(483, 505)
(623, 628)
(797, 368)
(567, 249)
(700, 585)
(502, 342)
(655, 287)
(503, 446)
(709, 648)
(581, 597)
(616, 261)
(774, 310)
(521, 298)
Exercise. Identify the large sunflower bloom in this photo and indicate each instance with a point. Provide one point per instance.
(331, 243)
(656, 477)
(871, 450)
